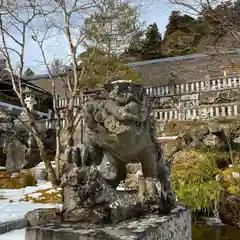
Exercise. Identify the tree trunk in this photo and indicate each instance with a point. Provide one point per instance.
(53, 178)
(57, 157)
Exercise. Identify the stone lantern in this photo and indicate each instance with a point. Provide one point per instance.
(29, 99)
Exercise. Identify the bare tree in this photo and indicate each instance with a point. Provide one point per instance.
(119, 22)
(42, 21)
(83, 24)
(15, 20)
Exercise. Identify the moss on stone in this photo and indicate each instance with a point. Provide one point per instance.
(172, 129)
(231, 176)
(235, 190)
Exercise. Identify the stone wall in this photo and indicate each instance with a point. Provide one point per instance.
(222, 135)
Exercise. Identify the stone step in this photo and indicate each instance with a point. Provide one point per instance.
(12, 225)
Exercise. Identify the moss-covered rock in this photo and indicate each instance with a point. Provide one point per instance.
(213, 141)
(231, 176)
(174, 128)
(229, 208)
(171, 147)
(42, 216)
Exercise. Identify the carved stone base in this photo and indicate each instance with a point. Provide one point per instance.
(175, 226)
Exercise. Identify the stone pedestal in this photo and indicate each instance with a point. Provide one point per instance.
(175, 226)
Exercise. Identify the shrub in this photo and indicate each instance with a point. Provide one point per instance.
(193, 177)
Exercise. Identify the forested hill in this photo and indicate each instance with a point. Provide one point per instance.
(213, 28)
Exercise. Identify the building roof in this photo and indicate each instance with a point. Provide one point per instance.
(5, 79)
(172, 59)
(158, 71)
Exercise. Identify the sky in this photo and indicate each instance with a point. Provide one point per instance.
(156, 12)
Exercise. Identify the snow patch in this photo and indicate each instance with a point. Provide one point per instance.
(16, 210)
(13, 235)
(35, 195)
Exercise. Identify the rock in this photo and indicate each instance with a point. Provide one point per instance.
(213, 222)
(15, 156)
(106, 168)
(42, 216)
(237, 140)
(20, 157)
(230, 95)
(89, 198)
(197, 134)
(214, 127)
(40, 173)
(208, 98)
(229, 209)
(172, 146)
(213, 141)
(4, 175)
(231, 176)
(200, 131)
(14, 175)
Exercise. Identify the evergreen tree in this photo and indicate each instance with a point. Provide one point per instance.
(100, 67)
(133, 51)
(28, 72)
(151, 47)
(173, 23)
(178, 22)
(57, 67)
(183, 34)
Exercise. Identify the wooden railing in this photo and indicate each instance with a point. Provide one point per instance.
(226, 111)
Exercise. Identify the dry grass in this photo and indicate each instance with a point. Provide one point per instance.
(20, 180)
(44, 196)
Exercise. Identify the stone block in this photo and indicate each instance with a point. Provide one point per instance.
(12, 225)
(175, 226)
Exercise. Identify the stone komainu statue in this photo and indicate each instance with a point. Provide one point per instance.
(122, 127)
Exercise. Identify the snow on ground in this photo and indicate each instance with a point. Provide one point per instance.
(13, 235)
(13, 209)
